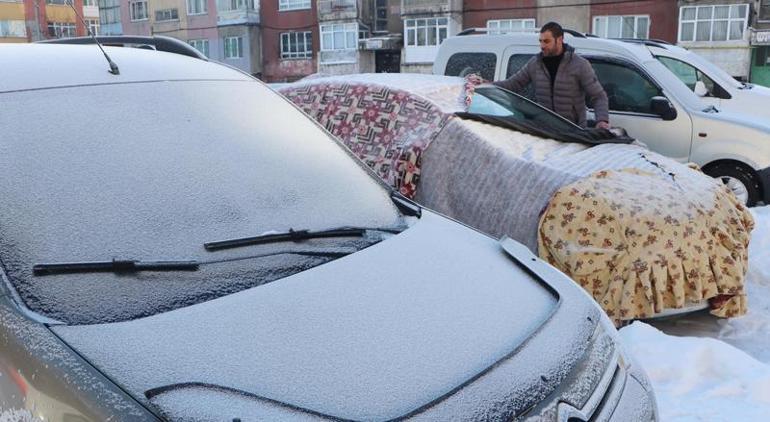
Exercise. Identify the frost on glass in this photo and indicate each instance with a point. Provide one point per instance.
(155, 183)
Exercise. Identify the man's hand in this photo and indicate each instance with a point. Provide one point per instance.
(602, 125)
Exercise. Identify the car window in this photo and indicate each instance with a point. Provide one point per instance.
(627, 89)
(151, 172)
(515, 63)
(690, 75)
(461, 64)
(494, 101)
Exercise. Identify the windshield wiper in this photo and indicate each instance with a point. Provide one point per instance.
(115, 266)
(293, 236)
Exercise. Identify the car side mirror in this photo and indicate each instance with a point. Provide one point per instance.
(700, 89)
(663, 108)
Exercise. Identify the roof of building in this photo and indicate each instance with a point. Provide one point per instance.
(39, 66)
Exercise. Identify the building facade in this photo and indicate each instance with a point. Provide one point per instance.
(290, 42)
(719, 31)
(13, 21)
(759, 72)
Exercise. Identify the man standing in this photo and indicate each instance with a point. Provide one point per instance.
(562, 80)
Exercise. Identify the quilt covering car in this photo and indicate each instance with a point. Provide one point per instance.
(674, 237)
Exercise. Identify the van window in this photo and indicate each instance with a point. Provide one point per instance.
(690, 75)
(482, 64)
(515, 63)
(626, 88)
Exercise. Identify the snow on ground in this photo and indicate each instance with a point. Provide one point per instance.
(709, 369)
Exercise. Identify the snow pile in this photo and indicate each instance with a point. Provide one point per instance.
(699, 379)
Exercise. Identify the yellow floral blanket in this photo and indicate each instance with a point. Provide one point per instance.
(641, 243)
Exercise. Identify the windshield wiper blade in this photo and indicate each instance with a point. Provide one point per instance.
(291, 236)
(115, 266)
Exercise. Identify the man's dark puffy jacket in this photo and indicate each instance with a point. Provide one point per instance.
(575, 80)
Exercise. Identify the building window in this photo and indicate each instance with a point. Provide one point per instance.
(228, 5)
(200, 45)
(233, 47)
(622, 26)
(296, 45)
(339, 37)
(293, 4)
(425, 32)
(713, 23)
(61, 29)
(138, 10)
(63, 2)
(87, 3)
(93, 26)
(196, 7)
(166, 15)
(13, 28)
(381, 16)
(505, 26)
(764, 10)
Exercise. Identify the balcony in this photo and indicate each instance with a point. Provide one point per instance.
(337, 10)
(237, 12)
(429, 7)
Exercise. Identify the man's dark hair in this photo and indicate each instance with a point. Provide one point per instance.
(555, 29)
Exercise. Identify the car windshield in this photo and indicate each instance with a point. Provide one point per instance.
(497, 106)
(498, 102)
(129, 177)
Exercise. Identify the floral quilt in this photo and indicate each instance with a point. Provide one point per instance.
(639, 252)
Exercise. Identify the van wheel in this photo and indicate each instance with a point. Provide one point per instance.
(739, 178)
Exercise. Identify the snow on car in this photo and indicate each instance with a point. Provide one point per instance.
(643, 234)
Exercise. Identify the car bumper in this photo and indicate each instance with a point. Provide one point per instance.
(764, 181)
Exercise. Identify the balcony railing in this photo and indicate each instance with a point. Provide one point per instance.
(334, 6)
(430, 6)
(337, 9)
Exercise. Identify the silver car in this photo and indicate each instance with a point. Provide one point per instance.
(178, 242)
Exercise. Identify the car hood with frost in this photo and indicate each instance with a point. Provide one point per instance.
(403, 328)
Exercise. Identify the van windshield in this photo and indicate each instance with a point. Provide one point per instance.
(149, 172)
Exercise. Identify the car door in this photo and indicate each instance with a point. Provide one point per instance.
(690, 75)
(630, 92)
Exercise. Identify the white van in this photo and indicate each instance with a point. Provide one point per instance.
(645, 98)
(710, 82)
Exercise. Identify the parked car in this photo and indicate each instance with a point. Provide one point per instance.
(711, 83)
(645, 98)
(614, 216)
(179, 242)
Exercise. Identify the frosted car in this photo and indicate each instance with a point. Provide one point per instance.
(641, 232)
(189, 246)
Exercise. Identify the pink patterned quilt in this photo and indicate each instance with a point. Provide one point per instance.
(387, 128)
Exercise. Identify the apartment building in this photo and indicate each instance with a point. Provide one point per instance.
(719, 31)
(35, 20)
(290, 41)
(760, 43)
(426, 24)
(13, 21)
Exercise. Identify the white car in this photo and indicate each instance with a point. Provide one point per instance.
(710, 82)
(645, 98)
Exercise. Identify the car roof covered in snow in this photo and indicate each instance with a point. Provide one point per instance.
(36, 66)
(446, 92)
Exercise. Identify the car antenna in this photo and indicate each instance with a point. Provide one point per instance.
(113, 67)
